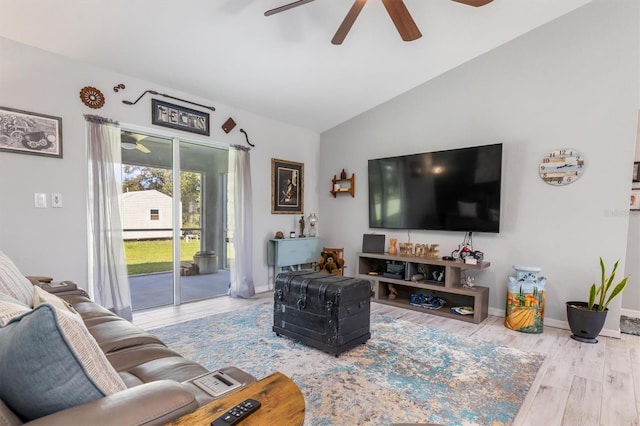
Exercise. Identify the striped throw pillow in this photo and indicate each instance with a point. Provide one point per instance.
(13, 283)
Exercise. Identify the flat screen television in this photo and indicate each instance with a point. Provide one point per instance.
(452, 190)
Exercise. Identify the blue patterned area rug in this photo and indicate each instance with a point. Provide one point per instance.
(406, 373)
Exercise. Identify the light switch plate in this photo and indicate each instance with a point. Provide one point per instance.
(56, 200)
(40, 200)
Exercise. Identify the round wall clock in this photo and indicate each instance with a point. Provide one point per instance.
(561, 166)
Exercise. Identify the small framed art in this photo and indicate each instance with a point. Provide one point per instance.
(634, 203)
(287, 187)
(636, 171)
(179, 117)
(26, 132)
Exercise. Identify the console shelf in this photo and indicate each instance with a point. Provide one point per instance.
(372, 265)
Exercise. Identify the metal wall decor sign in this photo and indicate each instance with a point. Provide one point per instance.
(26, 132)
(179, 117)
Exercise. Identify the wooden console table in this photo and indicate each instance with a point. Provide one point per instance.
(281, 399)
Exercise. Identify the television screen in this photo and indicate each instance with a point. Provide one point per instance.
(453, 190)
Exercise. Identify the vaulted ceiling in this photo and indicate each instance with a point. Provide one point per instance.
(282, 66)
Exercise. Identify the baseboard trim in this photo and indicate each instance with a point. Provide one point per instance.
(496, 312)
(631, 313)
(550, 322)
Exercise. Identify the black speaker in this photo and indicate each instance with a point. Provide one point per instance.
(373, 243)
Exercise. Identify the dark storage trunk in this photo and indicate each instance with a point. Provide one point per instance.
(327, 312)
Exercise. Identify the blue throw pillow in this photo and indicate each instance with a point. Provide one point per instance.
(50, 362)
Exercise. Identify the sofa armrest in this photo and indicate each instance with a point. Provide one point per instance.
(39, 278)
(154, 403)
(62, 288)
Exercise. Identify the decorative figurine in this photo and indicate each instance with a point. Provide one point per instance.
(468, 282)
(392, 246)
(301, 222)
(438, 275)
(393, 293)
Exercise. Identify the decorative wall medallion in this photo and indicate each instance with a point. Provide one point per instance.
(92, 97)
(561, 166)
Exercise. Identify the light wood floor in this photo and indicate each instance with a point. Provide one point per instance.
(578, 384)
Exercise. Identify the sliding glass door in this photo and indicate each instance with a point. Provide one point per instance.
(174, 216)
(203, 195)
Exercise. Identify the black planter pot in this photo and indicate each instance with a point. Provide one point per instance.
(585, 324)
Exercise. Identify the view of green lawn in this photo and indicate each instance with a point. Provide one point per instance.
(146, 257)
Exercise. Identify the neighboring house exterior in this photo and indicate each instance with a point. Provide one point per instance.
(146, 210)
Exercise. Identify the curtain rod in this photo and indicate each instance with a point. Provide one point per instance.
(153, 92)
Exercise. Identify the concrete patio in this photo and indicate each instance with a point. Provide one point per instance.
(154, 290)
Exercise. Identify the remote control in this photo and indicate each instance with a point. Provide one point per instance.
(237, 413)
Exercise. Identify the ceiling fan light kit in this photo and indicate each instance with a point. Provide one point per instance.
(396, 9)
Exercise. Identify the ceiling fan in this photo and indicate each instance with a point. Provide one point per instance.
(396, 9)
(130, 141)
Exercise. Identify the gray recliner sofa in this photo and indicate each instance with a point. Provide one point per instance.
(150, 384)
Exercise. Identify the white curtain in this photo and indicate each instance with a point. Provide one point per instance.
(240, 179)
(107, 266)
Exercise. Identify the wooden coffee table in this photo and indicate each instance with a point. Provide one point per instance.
(281, 399)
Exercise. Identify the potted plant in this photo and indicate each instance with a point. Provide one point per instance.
(586, 319)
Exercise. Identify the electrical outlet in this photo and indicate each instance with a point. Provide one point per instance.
(40, 200)
(56, 200)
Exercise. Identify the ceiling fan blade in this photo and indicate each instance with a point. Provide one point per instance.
(402, 20)
(142, 148)
(286, 7)
(475, 3)
(348, 21)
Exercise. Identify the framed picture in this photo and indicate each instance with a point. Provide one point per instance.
(634, 203)
(636, 171)
(287, 187)
(179, 117)
(26, 132)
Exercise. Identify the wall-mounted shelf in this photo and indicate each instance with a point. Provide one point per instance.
(344, 185)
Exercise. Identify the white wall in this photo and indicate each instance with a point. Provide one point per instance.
(571, 83)
(631, 300)
(54, 241)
